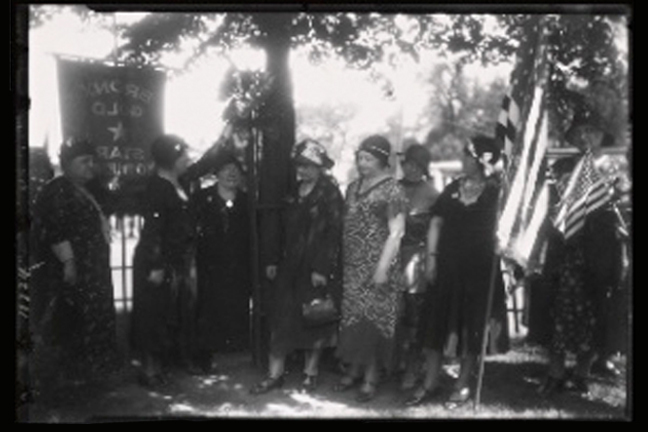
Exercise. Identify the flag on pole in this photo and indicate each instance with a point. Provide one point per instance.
(586, 191)
(523, 130)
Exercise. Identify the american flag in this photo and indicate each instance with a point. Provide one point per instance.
(523, 130)
(586, 191)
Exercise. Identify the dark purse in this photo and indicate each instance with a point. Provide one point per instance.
(319, 312)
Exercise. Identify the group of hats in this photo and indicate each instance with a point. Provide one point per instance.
(166, 149)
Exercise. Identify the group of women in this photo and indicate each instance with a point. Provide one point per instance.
(405, 271)
(407, 268)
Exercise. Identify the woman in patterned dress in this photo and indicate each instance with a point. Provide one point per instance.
(303, 244)
(587, 273)
(73, 293)
(374, 223)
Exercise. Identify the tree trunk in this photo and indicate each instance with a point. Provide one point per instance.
(274, 176)
(278, 113)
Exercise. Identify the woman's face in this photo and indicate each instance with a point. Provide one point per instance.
(80, 169)
(368, 164)
(587, 137)
(229, 176)
(411, 171)
(308, 173)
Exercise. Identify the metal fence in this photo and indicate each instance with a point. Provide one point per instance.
(125, 235)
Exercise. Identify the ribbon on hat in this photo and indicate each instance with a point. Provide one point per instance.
(484, 159)
(312, 151)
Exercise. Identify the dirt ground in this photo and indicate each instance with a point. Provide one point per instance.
(509, 392)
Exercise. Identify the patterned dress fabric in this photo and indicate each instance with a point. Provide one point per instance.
(76, 320)
(588, 307)
(369, 316)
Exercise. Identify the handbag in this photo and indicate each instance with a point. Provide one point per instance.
(319, 312)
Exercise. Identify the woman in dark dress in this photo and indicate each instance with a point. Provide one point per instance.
(374, 224)
(163, 286)
(461, 248)
(304, 264)
(222, 263)
(73, 309)
(421, 196)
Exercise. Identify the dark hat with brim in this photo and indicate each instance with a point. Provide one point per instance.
(311, 152)
(75, 147)
(484, 149)
(418, 155)
(166, 149)
(225, 157)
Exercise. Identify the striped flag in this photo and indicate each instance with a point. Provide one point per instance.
(586, 191)
(523, 130)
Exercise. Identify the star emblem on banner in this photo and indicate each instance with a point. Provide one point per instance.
(119, 132)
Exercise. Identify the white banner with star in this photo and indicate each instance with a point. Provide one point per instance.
(120, 109)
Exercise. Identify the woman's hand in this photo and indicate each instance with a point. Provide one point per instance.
(318, 280)
(431, 269)
(156, 277)
(69, 272)
(271, 272)
(380, 280)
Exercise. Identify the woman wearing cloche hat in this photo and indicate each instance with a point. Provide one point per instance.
(460, 254)
(73, 308)
(303, 244)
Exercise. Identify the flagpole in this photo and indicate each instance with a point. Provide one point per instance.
(489, 307)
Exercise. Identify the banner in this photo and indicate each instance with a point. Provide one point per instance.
(120, 110)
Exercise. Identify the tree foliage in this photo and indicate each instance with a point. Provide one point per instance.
(583, 47)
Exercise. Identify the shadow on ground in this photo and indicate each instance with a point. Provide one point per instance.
(509, 392)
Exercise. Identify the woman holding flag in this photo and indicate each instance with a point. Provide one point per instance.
(459, 265)
(589, 265)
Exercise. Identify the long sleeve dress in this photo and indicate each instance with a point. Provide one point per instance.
(305, 237)
(162, 315)
(456, 304)
(77, 319)
(223, 271)
(369, 316)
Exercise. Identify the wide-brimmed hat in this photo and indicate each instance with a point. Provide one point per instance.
(312, 152)
(377, 146)
(75, 147)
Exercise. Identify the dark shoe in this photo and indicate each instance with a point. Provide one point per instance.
(576, 384)
(605, 369)
(152, 381)
(310, 383)
(267, 385)
(366, 395)
(422, 395)
(346, 383)
(551, 385)
(458, 398)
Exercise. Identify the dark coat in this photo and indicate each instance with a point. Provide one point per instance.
(304, 237)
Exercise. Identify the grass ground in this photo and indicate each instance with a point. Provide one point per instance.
(509, 392)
